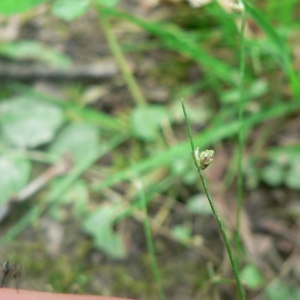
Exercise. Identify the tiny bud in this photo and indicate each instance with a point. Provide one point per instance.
(206, 158)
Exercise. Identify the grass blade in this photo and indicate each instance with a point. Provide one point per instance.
(280, 45)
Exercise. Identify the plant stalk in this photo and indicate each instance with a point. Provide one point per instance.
(149, 240)
(215, 212)
(241, 131)
(133, 87)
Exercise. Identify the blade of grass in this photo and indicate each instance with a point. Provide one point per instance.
(129, 79)
(176, 39)
(150, 243)
(280, 45)
(215, 212)
(206, 138)
(150, 193)
(135, 203)
(121, 61)
(240, 136)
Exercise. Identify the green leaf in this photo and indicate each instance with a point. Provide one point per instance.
(10, 7)
(292, 177)
(251, 277)
(288, 160)
(182, 233)
(199, 205)
(278, 291)
(70, 9)
(100, 226)
(146, 120)
(36, 51)
(15, 175)
(273, 174)
(28, 123)
(79, 139)
(107, 3)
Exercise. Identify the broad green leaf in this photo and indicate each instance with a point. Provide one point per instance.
(10, 7)
(199, 205)
(251, 277)
(278, 291)
(108, 3)
(100, 226)
(15, 175)
(79, 139)
(273, 174)
(28, 123)
(34, 50)
(292, 177)
(87, 114)
(146, 120)
(182, 233)
(288, 160)
(70, 9)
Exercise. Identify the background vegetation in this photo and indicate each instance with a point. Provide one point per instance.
(93, 136)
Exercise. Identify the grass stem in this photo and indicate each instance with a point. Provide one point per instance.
(149, 240)
(121, 61)
(215, 212)
(241, 131)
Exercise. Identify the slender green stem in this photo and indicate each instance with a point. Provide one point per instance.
(215, 212)
(150, 243)
(121, 61)
(241, 129)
